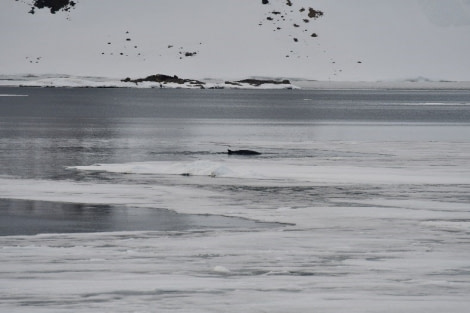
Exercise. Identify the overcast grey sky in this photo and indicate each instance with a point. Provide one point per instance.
(357, 40)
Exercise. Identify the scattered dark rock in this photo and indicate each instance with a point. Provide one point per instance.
(288, 20)
(181, 53)
(121, 47)
(34, 60)
(265, 1)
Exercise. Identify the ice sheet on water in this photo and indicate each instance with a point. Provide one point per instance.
(449, 104)
(295, 170)
(329, 269)
(190, 168)
(378, 234)
(462, 225)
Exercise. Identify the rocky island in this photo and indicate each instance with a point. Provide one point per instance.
(168, 81)
(152, 81)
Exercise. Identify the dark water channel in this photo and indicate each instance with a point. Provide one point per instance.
(26, 217)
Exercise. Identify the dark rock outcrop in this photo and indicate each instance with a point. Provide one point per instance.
(163, 79)
(312, 13)
(53, 5)
(259, 82)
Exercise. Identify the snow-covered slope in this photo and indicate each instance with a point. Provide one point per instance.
(232, 39)
(72, 81)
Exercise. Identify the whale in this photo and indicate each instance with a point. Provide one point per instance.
(242, 152)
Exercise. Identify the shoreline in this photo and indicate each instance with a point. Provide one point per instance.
(378, 85)
(70, 81)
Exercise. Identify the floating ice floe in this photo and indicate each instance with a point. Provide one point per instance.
(294, 171)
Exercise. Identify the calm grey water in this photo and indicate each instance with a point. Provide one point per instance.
(47, 129)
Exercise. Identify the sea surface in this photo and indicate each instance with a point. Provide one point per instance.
(125, 200)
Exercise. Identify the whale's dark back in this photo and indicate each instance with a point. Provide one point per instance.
(243, 152)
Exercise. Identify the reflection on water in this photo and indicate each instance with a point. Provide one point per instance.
(25, 217)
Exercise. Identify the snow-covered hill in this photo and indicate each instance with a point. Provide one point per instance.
(232, 39)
